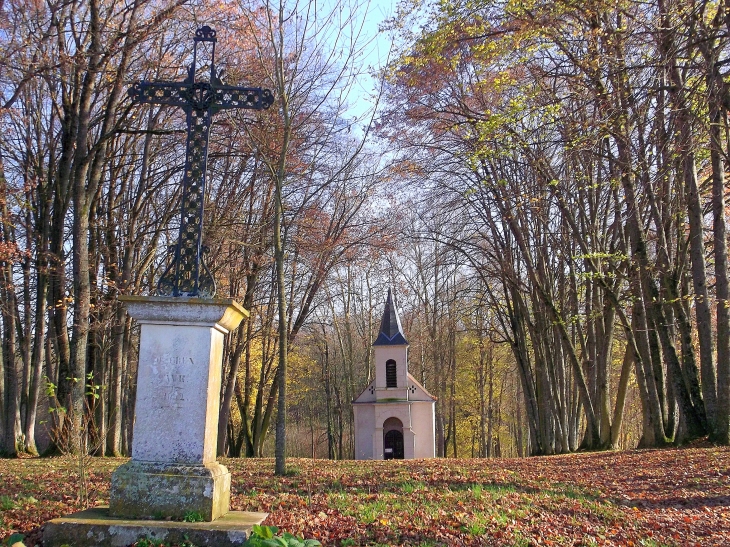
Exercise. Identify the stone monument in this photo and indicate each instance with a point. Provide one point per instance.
(173, 474)
(173, 470)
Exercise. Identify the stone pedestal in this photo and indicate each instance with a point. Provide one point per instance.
(173, 472)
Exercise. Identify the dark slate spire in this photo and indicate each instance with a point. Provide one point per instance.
(391, 333)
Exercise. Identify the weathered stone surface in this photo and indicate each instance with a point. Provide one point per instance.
(95, 528)
(159, 490)
(179, 376)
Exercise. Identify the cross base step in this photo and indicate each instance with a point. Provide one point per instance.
(96, 528)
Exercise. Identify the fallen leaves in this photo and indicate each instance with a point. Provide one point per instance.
(648, 497)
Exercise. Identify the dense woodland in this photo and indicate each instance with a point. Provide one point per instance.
(543, 184)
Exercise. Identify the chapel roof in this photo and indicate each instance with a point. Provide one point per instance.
(391, 332)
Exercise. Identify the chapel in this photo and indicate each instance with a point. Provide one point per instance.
(394, 415)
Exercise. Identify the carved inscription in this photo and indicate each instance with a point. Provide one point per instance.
(170, 380)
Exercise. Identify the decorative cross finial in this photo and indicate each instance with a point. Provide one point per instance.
(187, 274)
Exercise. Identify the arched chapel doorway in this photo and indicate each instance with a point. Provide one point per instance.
(393, 439)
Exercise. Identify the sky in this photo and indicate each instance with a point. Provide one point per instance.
(376, 53)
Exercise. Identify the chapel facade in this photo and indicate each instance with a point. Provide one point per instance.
(394, 415)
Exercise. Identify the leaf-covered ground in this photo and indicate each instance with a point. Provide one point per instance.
(649, 497)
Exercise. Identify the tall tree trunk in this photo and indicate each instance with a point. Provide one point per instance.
(678, 97)
(718, 412)
(721, 412)
(9, 310)
(280, 466)
(37, 360)
(622, 390)
(229, 392)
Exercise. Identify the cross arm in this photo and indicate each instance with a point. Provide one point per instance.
(256, 98)
(170, 93)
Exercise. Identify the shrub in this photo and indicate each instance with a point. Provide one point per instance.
(266, 536)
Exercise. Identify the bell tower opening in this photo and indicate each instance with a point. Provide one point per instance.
(391, 375)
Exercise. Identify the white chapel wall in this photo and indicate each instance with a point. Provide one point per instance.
(364, 426)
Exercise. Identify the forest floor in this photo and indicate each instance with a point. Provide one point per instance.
(639, 497)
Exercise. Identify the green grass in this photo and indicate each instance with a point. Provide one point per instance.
(475, 528)
(652, 543)
(145, 542)
(193, 516)
(6, 503)
(370, 512)
(410, 487)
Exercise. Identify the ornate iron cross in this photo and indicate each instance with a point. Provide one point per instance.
(187, 274)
